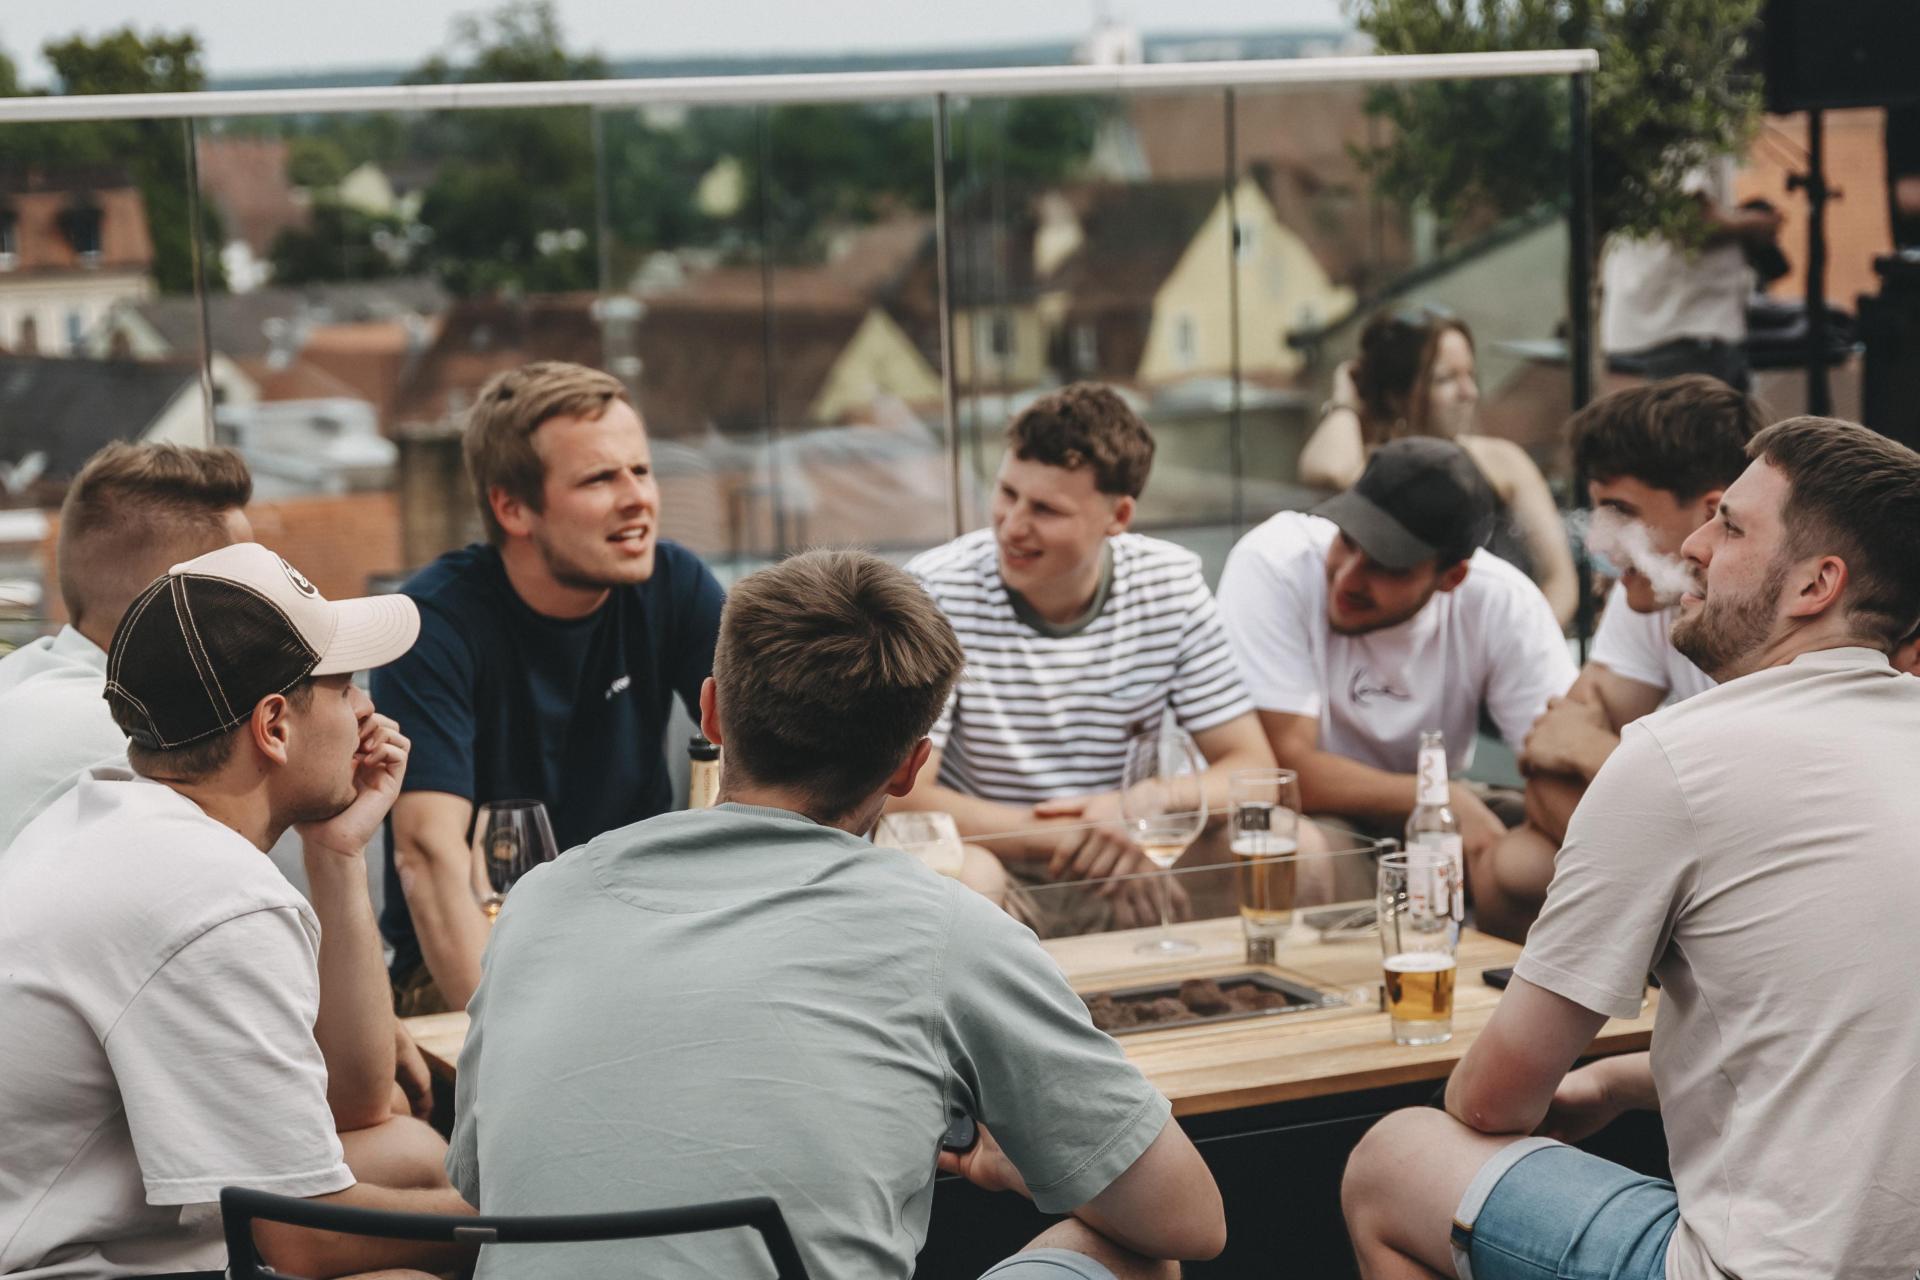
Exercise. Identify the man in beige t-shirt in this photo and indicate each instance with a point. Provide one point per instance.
(1754, 847)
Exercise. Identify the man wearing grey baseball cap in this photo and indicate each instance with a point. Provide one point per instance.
(168, 1030)
(1379, 617)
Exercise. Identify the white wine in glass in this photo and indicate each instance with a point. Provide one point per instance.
(1165, 806)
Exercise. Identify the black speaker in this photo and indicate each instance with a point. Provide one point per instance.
(1841, 53)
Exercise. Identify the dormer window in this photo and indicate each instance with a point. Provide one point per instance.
(9, 239)
(81, 226)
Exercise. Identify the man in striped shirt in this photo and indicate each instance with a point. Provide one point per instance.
(1075, 631)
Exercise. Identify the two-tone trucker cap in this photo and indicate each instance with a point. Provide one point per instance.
(211, 637)
(1420, 499)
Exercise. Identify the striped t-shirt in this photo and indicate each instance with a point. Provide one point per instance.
(1037, 716)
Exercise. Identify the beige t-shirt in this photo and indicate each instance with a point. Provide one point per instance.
(1758, 847)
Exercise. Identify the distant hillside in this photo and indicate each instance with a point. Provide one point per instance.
(1186, 47)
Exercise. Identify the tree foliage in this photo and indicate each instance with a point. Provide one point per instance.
(152, 152)
(1670, 95)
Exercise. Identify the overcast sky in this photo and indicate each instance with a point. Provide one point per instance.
(275, 35)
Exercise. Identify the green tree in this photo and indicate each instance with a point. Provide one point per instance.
(152, 152)
(1670, 94)
(512, 202)
(339, 243)
(316, 163)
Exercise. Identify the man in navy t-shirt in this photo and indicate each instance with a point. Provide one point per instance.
(547, 660)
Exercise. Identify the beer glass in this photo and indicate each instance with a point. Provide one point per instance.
(1418, 932)
(1264, 808)
(1165, 806)
(510, 838)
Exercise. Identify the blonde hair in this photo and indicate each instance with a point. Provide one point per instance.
(498, 438)
(135, 511)
(830, 667)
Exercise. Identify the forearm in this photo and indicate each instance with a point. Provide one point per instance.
(355, 1025)
(1334, 784)
(447, 919)
(323, 1254)
(1551, 799)
(1629, 1081)
(978, 819)
(1217, 782)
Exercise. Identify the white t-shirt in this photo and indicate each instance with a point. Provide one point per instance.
(1491, 641)
(1654, 291)
(1635, 645)
(159, 982)
(1754, 847)
(55, 686)
(1037, 716)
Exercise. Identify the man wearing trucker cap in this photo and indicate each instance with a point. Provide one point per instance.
(160, 980)
(1380, 616)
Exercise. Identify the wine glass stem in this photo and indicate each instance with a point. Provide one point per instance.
(1166, 906)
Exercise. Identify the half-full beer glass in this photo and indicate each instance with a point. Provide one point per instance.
(1264, 806)
(1419, 927)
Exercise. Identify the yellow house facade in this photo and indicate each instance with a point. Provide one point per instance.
(1282, 289)
(879, 360)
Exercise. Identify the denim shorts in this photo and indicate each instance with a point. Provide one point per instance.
(1047, 1264)
(1543, 1211)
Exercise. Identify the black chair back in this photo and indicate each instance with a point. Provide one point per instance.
(240, 1207)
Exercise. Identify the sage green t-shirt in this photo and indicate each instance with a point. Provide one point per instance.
(737, 1001)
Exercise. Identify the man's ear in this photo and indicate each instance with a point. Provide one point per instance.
(1452, 577)
(270, 727)
(901, 782)
(1123, 508)
(1822, 584)
(514, 515)
(710, 712)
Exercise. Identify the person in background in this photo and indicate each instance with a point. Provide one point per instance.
(803, 1013)
(1657, 458)
(178, 1018)
(1748, 846)
(1380, 616)
(1667, 307)
(548, 659)
(1414, 376)
(132, 512)
(1076, 632)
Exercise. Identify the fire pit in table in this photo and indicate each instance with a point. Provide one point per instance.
(1202, 1000)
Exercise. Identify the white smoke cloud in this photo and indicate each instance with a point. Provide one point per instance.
(1617, 542)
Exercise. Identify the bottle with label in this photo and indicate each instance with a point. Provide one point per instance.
(703, 773)
(1432, 827)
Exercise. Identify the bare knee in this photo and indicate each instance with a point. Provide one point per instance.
(1077, 1236)
(399, 1152)
(1388, 1150)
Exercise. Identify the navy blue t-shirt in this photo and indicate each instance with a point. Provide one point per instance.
(503, 703)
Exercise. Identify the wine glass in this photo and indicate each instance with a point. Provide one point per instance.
(1165, 808)
(510, 838)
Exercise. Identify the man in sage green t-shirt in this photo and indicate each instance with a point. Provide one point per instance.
(755, 1000)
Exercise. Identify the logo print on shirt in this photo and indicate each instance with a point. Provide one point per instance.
(619, 686)
(1359, 691)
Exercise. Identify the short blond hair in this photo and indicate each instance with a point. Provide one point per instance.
(830, 667)
(135, 511)
(498, 438)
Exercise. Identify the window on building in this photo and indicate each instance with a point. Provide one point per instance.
(1186, 341)
(81, 226)
(1243, 239)
(9, 238)
(1086, 348)
(76, 330)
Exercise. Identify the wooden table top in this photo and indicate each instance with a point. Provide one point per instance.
(1280, 1058)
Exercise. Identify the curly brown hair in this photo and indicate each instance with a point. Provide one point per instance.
(1086, 425)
